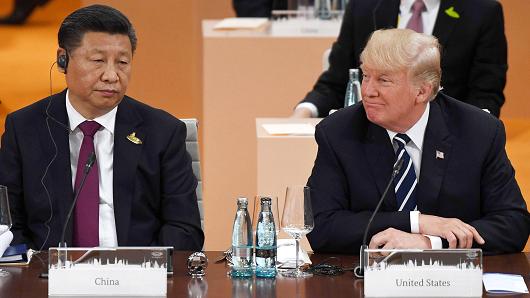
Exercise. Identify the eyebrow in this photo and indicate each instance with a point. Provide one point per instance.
(99, 51)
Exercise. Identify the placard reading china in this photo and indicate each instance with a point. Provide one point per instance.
(123, 271)
(423, 273)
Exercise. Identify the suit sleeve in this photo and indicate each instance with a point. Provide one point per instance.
(181, 226)
(11, 176)
(487, 76)
(505, 222)
(330, 88)
(339, 220)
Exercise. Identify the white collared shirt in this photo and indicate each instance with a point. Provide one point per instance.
(428, 17)
(416, 134)
(104, 147)
(415, 148)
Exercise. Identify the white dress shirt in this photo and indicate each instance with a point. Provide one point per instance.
(428, 18)
(415, 148)
(104, 147)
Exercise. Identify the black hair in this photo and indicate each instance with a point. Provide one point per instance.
(94, 18)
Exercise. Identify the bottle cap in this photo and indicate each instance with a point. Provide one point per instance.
(266, 200)
(242, 201)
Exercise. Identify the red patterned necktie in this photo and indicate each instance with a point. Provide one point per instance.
(86, 213)
(415, 23)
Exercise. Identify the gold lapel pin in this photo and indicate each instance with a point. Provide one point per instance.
(132, 137)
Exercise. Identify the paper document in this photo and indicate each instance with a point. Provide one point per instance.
(298, 129)
(504, 283)
(5, 240)
(241, 23)
(286, 255)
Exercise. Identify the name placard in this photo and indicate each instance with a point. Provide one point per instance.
(115, 282)
(107, 272)
(423, 273)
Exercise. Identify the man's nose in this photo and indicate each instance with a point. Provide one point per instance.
(368, 88)
(110, 73)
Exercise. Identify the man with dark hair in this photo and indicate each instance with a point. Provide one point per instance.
(125, 161)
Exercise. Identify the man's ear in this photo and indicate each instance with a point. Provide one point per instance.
(62, 60)
(423, 93)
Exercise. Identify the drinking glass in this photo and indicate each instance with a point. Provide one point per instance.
(274, 210)
(5, 218)
(297, 220)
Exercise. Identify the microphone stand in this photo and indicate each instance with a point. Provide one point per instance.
(359, 270)
(62, 244)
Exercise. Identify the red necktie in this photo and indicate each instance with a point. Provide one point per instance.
(86, 213)
(415, 23)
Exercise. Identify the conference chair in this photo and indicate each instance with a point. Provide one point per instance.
(192, 146)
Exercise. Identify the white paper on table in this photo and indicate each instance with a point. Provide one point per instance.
(504, 283)
(241, 23)
(286, 254)
(299, 129)
(5, 240)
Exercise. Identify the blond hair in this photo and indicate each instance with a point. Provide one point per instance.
(404, 49)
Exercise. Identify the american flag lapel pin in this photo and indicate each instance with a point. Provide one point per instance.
(439, 155)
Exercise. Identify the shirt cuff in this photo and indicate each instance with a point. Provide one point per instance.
(311, 107)
(414, 222)
(436, 242)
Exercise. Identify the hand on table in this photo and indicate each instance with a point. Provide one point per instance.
(392, 238)
(458, 233)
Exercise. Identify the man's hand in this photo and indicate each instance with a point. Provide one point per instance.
(456, 232)
(392, 238)
(301, 112)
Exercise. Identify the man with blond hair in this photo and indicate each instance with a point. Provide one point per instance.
(456, 187)
(471, 32)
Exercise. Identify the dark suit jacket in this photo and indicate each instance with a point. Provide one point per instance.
(474, 51)
(154, 186)
(474, 181)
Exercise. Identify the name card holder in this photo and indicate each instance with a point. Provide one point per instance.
(423, 273)
(121, 271)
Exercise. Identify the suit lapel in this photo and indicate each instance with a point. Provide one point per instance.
(444, 22)
(58, 180)
(380, 156)
(126, 156)
(386, 13)
(435, 157)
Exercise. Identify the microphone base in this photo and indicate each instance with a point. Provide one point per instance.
(359, 270)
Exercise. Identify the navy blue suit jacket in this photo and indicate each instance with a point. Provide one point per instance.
(474, 51)
(474, 181)
(154, 186)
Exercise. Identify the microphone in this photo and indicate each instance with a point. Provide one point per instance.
(88, 165)
(359, 270)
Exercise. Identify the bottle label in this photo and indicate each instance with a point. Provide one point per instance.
(265, 253)
(242, 251)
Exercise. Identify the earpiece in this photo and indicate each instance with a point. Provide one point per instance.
(62, 61)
